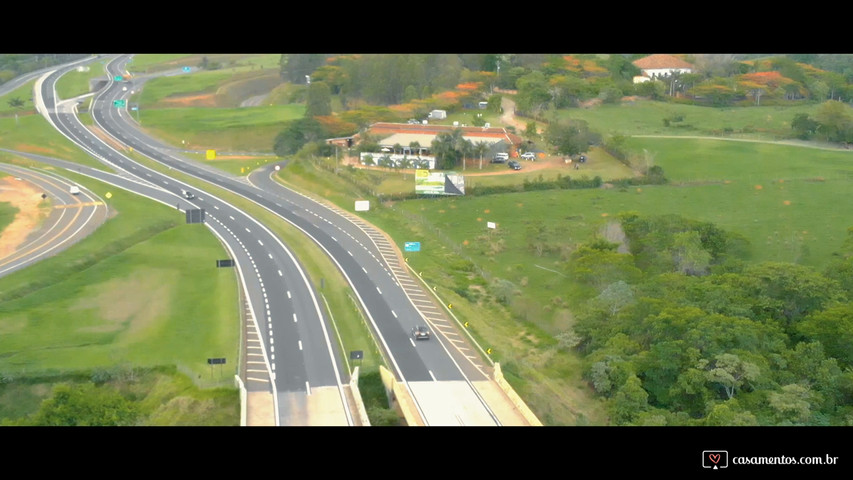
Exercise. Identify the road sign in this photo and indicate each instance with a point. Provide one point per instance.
(224, 263)
(356, 354)
(186, 69)
(412, 246)
(195, 215)
(109, 195)
(215, 361)
(118, 78)
(119, 103)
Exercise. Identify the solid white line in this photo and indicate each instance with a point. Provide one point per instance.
(300, 345)
(392, 313)
(288, 294)
(294, 318)
(280, 274)
(380, 291)
(431, 375)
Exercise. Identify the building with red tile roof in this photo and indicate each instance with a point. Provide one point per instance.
(660, 65)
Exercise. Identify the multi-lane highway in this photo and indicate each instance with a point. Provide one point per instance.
(302, 361)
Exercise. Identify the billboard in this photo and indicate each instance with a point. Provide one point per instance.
(439, 183)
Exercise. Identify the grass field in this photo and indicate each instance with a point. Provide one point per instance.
(228, 129)
(645, 117)
(32, 134)
(73, 311)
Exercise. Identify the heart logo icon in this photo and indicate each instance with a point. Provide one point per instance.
(715, 457)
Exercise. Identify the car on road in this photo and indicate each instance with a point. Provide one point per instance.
(420, 332)
(514, 165)
(528, 156)
(187, 194)
(74, 190)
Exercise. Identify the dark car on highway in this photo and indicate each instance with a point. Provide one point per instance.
(420, 333)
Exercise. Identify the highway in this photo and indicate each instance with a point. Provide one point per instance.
(440, 374)
(301, 360)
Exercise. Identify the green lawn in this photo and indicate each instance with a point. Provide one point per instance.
(132, 293)
(645, 117)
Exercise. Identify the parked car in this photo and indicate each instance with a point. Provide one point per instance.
(420, 332)
(514, 165)
(500, 157)
(528, 156)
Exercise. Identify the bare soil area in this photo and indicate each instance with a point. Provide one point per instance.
(27, 199)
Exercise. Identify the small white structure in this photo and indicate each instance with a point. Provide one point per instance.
(438, 114)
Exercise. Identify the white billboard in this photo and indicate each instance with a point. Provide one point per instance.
(439, 183)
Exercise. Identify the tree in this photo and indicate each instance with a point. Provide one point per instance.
(689, 256)
(533, 93)
(792, 403)
(794, 290)
(480, 149)
(295, 67)
(729, 414)
(731, 373)
(17, 104)
(319, 102)
(836, 121)
(297, 134)
(629, 401)
(803, 126)
(833, 328)
(85, 405)
(570, 138)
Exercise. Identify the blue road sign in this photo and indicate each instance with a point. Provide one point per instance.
(412, 246)
(186, 69)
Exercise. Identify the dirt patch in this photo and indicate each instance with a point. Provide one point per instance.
(31, 211)
(206, 100)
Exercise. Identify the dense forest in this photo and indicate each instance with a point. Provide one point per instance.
(681, 332)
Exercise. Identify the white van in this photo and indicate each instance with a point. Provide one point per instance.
(75, 190)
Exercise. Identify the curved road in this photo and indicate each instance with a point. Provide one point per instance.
(297, 361)
(72, 218)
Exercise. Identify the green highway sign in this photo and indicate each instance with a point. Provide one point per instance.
(119, 103)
